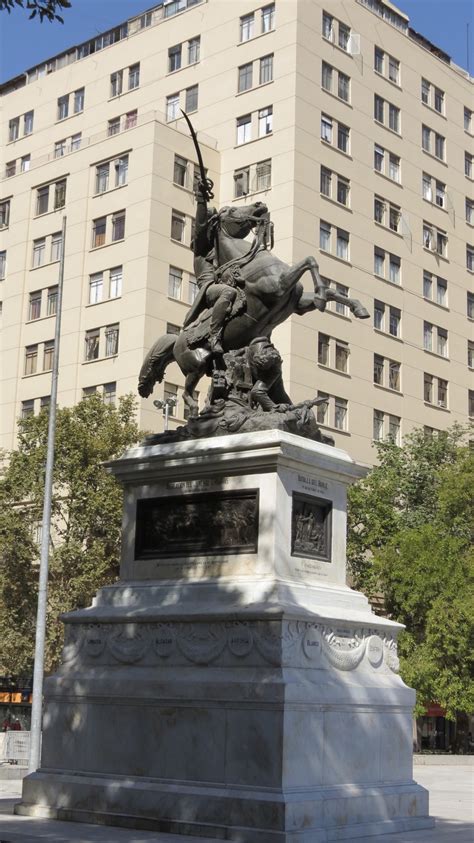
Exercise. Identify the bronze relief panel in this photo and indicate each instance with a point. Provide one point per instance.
(197, 525)
(311, 531)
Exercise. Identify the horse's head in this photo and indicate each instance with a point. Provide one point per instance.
(239, 221)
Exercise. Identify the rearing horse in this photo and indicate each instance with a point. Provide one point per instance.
(272, 291)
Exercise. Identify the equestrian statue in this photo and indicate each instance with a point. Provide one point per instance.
(244, 292)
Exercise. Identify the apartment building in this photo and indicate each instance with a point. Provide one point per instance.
(354, 129)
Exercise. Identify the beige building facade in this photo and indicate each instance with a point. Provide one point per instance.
(357, 133)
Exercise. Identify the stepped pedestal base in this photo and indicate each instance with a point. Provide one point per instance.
(253, 697)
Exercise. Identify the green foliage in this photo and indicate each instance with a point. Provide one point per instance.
(410, 538)
(86, 517)
(43, 8)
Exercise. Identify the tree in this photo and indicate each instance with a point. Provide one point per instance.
(410, 538)
(44, 8)
(86, 522)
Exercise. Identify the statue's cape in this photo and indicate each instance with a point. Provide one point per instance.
(198, 305)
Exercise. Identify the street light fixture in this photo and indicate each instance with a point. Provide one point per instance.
(165, 405)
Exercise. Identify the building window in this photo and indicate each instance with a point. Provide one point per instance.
(63, 107)
(428, 388)
(470, 258)
(322, 412)
(191, 98)
(387, 373)
(333, 353)
(31, 359)
(342, 356)
(265, 121)
(468, 165)
(326, 128)
(78, 100)
(111, 340)
(386, 163)
(52, 301)
(435, 239)
(39, 251)
(175, 282)
(432, 333)
(3, 265)
(27, 408)
(194, 49)
(387, 113)
(48, 356)
(263, 175)
(340, 413)
(470, 406)
(56, 246)
(174, 58)
(42, 198)
(98, 232)
(468, 119)
(180, 170)
(323, 349)
(244, 129)
(342, 244)
(172, 107)
(115, 282)
(178, 221)
(324, 236)
(469, 211)
(121, 170)
(268, 18)
(435, 288)
(28, 122)
(266, 69)
(433, 143)
(14, 129)
(25, 162)
(378, 425)
(470, 354)
(328, 75)
(59, 194)
(102, 177)
(109, 393)
(10, 169)
(133, 76)
(387, 65)
(470, 305)
(193, 289)
(96, 287)
(328, 26)
(116, 83)
(432, 96)
(118, 226)
(247, 25)
(382, 260)
(387, 214)
(241, 182)
(4, 213)
(92, 340)
(34, 305)
(387, 318)
(245, 77)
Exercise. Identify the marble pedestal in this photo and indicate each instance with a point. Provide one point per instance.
(231, 685)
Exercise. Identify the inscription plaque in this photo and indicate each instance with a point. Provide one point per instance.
(197, 525)
(311, 527)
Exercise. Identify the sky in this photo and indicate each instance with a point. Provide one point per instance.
(25, 43)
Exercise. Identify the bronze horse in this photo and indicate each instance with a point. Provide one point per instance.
(272, 292)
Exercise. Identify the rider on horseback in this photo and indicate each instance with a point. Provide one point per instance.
(218, 296)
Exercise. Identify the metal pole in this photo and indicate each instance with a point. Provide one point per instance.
(37, 703)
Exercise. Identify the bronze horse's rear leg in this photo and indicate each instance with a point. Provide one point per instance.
(190, 384)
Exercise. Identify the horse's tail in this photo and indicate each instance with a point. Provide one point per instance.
(155, 363)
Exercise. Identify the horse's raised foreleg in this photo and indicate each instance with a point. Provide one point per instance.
(293, 274)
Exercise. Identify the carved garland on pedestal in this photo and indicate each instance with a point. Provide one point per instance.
(291, 642)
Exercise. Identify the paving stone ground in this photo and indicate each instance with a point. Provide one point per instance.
(451, 803)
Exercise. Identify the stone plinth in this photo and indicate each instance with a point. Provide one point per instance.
(231, 685)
